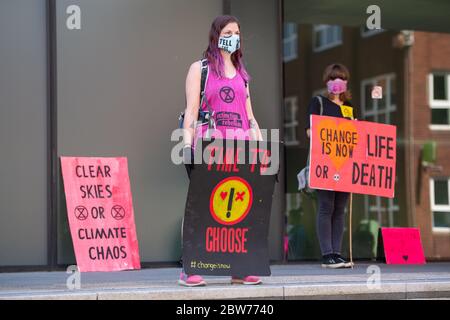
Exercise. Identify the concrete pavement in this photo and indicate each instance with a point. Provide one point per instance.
(299, 281)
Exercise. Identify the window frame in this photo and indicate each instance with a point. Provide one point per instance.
(376, 112)
(325, 27)
(392, 209)
(441, 208)
(292, 41)
(292, 102)
(439, 104)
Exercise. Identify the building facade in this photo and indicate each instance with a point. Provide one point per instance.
(412, 68)
(106, 78)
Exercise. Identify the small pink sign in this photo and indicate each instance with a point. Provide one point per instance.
(377, 92)
(402, 246)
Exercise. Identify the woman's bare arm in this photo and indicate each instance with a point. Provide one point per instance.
(192, 102)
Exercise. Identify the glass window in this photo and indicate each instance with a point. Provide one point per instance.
(439, 87)
(395, 200)
(440, 202)
(330, 35)
(441, 192)
(290, 135)
(368, 97)
(326, 36)
(439, 101)
(440, 116)
(338, 33)
(382, 102)
(372, 201)
(393, 118)
(379, 110)
(355, 47)
(290, 121)
(318, 39)
(393, 92)
(290, 42)
(382, 210)
(441, 219)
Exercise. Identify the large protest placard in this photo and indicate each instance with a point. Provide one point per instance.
(100, 213)
(352, 156)
(228, 208)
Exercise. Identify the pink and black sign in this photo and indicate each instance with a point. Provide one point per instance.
(100, 213)
(226, 223)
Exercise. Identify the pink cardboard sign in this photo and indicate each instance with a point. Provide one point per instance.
(402, 246)
(352, 156)
(100, 213)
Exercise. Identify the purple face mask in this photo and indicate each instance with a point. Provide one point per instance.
(337, 86)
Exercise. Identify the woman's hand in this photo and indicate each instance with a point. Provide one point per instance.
(188, 155)
(255, 131)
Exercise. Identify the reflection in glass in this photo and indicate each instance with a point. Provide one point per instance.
(440, 116)
(368, 97)
(441, 219)
(441, 192)
(439, 87)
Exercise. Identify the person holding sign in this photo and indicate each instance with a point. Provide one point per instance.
(330, 218)
(225, 102)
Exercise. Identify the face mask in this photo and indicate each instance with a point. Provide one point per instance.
(230, 44)
(337, 86)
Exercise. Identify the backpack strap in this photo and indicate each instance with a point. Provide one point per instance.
(319, 97)
(321, 104)
(203, 98)
(204, 79)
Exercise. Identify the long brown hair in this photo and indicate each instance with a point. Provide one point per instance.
(337, 70)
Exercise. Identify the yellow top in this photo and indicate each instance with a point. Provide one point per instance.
(347, 111)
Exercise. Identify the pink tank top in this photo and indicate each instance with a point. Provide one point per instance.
(227, 98)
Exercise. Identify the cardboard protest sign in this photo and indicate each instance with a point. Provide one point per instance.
(402, 246)
(352, 156)
(227, 214)
(100, 213)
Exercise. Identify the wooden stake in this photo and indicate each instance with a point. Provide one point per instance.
(350, 229)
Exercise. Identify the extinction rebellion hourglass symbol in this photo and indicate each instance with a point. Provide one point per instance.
(118, 212)
(81, 213)
(227, 94)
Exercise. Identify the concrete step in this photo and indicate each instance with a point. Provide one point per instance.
(305, 281)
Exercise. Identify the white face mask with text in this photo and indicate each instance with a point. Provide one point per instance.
(230, 44)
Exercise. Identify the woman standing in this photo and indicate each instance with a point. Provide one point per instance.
(227, 94)
(331, 215)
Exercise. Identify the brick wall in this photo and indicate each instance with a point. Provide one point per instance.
(374, 56)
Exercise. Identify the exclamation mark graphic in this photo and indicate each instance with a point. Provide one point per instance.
(230, 203)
